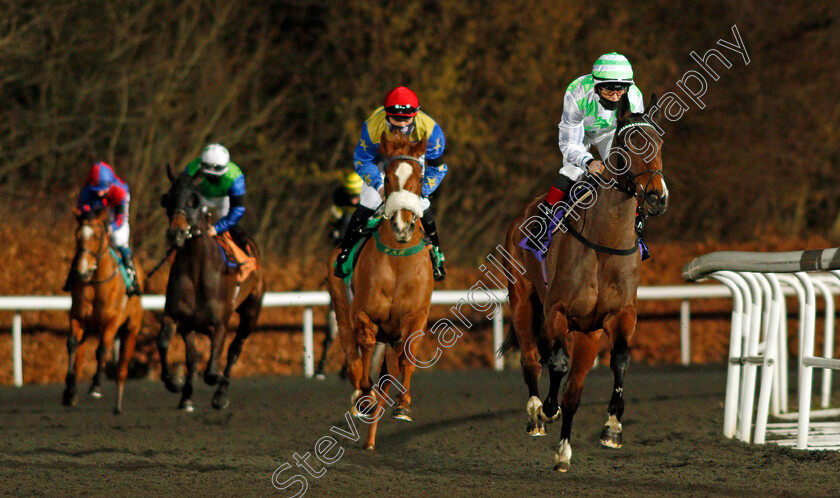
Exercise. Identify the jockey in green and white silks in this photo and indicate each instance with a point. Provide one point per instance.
(588, 120)
(399, 113)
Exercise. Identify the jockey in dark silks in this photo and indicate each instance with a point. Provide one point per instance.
(345, 202)
(400, 113)
(105, 190)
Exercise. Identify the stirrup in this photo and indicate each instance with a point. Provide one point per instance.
(437, 263)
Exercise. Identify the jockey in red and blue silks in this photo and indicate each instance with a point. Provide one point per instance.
(400, 113)
(105, 190)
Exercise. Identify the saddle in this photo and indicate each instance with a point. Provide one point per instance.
(235, 257)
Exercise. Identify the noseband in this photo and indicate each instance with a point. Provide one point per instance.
(396, 158)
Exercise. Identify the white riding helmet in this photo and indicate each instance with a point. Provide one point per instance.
(215, 159)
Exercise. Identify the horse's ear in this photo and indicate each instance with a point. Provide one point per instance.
(652, 109)
(384, 145)
(419, 148)
(196, 180)
(622, 112)
(169, 172)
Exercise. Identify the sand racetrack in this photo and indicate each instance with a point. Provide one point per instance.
(467, 439)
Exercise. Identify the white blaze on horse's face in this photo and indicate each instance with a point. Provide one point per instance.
(400, 200)
(86, 234)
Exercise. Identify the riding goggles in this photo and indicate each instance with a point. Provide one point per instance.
(401, 110)
(216, 168)
(614, 87)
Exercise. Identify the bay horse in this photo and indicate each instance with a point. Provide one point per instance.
(202, 292)
(391, 288)
(100, 307)
(589, 285)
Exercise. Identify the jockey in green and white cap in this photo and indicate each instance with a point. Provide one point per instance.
(588, 119)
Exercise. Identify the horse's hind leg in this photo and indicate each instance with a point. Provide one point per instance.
(526, 322)
(249, 312)
(584, 347)
(74, 362)
(167, 328)
(128, 338)
(620, 329)
(106, 344)
(186, 403)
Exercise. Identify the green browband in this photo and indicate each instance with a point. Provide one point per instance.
(390, 251)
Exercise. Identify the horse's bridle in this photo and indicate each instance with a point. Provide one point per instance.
(97, 256)
(630, 186)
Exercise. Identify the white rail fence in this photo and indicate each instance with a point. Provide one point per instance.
(309, 300)
(758, 283)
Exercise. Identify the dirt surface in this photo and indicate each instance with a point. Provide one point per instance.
(467, 439)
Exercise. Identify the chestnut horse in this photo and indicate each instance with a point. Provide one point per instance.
(202, 292)
(391, 292)
(100, 307)
(589, 285)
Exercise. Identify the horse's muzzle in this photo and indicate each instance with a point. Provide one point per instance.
(403, 231)
(177, 236)
(655, 203)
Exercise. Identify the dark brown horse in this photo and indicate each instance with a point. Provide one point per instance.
(391, 293)
(202, 292)
(589, 287)
(101, 308)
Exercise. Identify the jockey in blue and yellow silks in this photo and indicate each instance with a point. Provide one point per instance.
(400, 113)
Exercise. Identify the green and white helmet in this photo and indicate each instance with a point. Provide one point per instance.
(612, 68)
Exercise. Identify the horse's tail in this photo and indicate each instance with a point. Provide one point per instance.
(510, 343)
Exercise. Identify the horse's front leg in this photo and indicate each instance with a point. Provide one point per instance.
(366, 404)
(557, 327)
(620, 329)
(584, 347)
(128, 338)
(74, 362)
(191, 357)
(417, 322)
(217, 335)
(167, 328)
(249, 312)
(106, 344)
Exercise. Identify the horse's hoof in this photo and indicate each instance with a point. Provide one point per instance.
(370, 447)
(536, 429)
(186, 406)
(220, 402)
(95, 392)
(211, 378)
(117, 410)
(610, 438)
(171, 386)
(69, 398)
(401, 413)
(561, 467)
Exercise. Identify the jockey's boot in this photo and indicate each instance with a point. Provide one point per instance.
(355, 231)
(429, 226)
(240, 238)
(128, 261)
